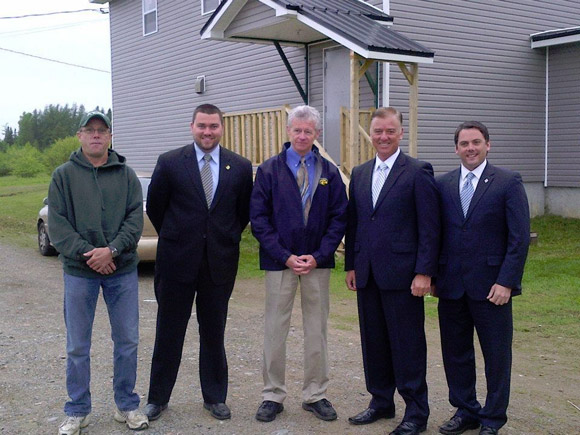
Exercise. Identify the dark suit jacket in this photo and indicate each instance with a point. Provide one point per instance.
(490, 244)
(400, 237)
(177, 208)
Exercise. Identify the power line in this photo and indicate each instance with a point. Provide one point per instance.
(55, 61)
(101, 10)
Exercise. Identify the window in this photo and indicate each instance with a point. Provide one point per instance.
(208, 6)
(149, 17)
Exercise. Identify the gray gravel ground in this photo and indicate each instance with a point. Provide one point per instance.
(32, 367)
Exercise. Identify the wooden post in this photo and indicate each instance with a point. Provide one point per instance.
(413, 79)
(354, 110)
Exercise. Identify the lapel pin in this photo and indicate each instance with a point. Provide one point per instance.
(323, 181)
(228, 168)
(486, 180)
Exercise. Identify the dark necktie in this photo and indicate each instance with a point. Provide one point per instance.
(207, 179)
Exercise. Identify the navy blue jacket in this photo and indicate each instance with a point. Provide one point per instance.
(399, 238)
(276, 213)
(490, 244)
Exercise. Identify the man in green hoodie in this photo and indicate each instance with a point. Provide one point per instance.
(95, 220)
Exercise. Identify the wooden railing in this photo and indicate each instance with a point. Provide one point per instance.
(257, 135)
(366, 151)
(260, 134)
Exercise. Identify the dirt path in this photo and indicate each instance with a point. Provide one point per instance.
(546, 375)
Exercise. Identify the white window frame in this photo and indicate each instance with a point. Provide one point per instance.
(203, 11)
(148, 8)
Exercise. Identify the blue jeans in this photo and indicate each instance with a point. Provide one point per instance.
(121, 294)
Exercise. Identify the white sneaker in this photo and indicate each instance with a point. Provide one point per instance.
(73, 425)
(135, 419)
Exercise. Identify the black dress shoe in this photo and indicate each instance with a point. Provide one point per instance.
(218, 410)
(487, 430)
(268, 410)
(408, 428)
(457, 425)
(322, 409)
(370, 415)
(153, 412)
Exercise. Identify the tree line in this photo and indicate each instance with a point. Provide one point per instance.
(43, 141)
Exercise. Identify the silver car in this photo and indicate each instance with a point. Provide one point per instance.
(147, 247)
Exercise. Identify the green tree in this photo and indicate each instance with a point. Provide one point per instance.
(25, 161)
(59, 152)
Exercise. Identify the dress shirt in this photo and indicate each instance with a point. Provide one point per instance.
(390, 162)
(293, 162)
(476, 172)
(214, 164)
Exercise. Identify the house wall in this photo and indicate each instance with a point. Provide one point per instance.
(154, 77)
(485, 70)
(564, 116)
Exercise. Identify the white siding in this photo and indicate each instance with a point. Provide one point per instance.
(154, 77)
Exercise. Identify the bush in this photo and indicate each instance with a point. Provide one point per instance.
(59, 152)
(25, 161)
(5, 168)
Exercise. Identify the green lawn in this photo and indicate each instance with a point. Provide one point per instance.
(548, 307)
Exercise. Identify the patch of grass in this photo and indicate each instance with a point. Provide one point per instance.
(20, 201)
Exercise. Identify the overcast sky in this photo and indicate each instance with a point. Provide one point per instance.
(82, 39)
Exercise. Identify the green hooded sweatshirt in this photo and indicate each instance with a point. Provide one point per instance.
(93, 207)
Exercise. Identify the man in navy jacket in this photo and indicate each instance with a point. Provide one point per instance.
(298, 214)
(484, 247)
(392, 242)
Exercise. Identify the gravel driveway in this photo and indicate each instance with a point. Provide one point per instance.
(32, 367)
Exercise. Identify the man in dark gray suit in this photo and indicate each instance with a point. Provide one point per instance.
(392, 242)
(485, 238)
(198, 202)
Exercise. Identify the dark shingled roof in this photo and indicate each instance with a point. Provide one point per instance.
(354, 20)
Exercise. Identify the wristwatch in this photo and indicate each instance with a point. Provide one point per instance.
(114, 251)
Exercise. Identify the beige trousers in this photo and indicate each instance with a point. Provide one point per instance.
(280, 292)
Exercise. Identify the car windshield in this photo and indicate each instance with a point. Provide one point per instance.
(144, 186)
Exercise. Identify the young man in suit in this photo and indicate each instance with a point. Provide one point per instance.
(298, 214)
(198, 202)
(392, 242)
(485, 238)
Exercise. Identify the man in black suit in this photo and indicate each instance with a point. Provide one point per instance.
(392, 242)
(198, 202)
(485, 238)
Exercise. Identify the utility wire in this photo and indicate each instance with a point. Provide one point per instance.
(55, 61)
(101, 10)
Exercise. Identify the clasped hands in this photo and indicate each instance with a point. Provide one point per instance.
(301, 265)
(101, 260)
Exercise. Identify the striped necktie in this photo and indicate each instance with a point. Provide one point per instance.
(379, 181)
(467, 193)
(207, 179)
(303, 183)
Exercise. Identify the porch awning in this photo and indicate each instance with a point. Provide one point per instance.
(356, 25)
(555, 37)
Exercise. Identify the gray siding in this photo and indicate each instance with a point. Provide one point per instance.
(484, 69)
(154, 77)
(564, 116)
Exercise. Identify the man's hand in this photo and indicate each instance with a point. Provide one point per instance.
(101, 260)
(421, 285)
(301, 265)
(499, 294)
(351, 280)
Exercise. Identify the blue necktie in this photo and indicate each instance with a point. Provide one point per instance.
(467, 193)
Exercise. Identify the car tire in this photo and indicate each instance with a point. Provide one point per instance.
(44, 245)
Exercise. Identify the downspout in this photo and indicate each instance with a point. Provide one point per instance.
(546, 120)
(386, 65)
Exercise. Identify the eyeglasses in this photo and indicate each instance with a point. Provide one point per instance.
(91, 130)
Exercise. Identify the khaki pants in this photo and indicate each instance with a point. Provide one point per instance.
(280, 292)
